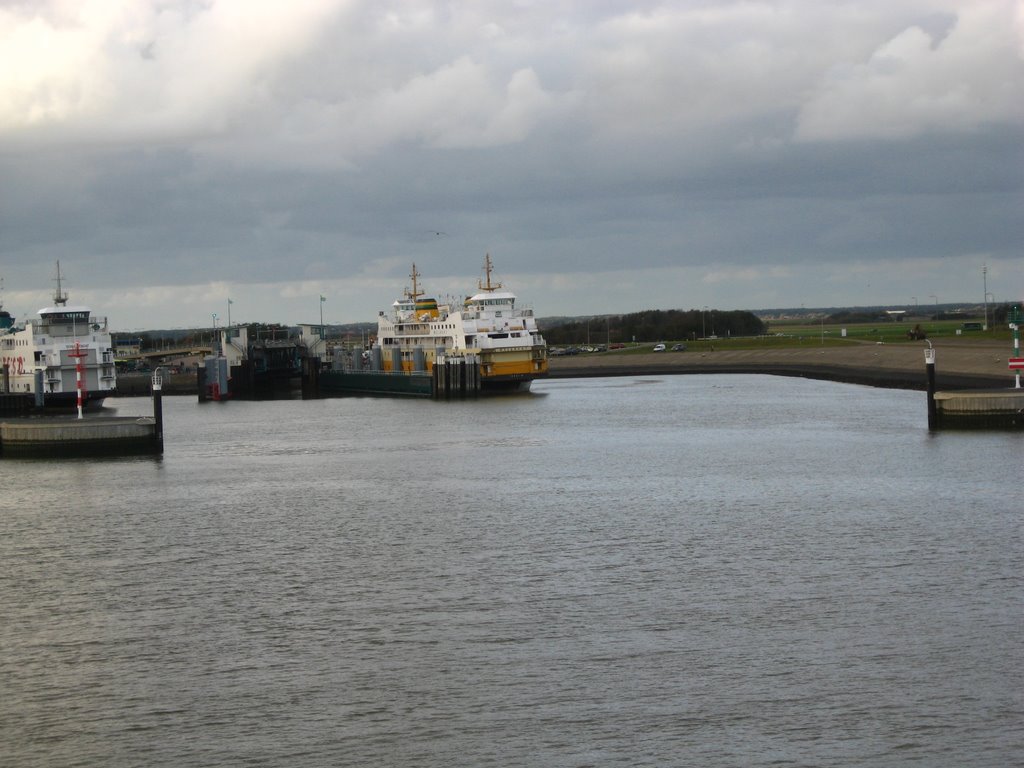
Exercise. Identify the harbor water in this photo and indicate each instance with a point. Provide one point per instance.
(673, 571)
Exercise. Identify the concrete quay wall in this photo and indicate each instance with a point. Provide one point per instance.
(60, 437)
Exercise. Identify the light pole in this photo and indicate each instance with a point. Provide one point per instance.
(703, 332)
(933, 296)
(984, 283)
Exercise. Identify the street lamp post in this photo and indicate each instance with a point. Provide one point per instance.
(933, 296)
(984, 283)
(703, 332)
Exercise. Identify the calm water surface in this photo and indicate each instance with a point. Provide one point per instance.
(691, 570)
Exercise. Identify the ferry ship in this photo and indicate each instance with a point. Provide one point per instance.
(51, 354)
(488, 328)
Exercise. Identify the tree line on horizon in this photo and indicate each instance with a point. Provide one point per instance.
(653, 325)
(998, 313)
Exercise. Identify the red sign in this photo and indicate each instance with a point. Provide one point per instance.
(1016, 362)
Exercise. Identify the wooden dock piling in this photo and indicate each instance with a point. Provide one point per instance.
(456, 377)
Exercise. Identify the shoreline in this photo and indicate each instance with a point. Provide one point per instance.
(958, 365)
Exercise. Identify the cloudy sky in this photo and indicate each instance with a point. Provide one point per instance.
(610, 155)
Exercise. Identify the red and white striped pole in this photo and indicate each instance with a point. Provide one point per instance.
(78, 353)
(1016, 362)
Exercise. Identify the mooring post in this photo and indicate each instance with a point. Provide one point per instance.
(1016, 362)
(929, 364)
(38, 379)
(158, 408)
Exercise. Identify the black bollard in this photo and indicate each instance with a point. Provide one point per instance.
(929, 364)
(158, 410)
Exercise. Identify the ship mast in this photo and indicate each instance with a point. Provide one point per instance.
(60, 298)
(415, 293)
(488, 267)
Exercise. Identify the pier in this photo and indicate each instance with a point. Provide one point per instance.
(31, 436)
(978, 408)
(64, 437)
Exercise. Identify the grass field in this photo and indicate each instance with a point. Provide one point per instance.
(892, 332)
(785, 335)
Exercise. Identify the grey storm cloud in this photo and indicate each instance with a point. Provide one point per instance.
(612, 156)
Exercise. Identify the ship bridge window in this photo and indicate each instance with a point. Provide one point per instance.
(68, 317)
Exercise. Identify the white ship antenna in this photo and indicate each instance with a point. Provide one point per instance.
(60, 298)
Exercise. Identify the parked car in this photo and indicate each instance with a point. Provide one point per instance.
(678, 347)
(659, 347)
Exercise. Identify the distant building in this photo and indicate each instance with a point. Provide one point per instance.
(125, 349)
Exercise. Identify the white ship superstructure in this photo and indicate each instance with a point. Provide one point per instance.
(67, 344)
(488, 327)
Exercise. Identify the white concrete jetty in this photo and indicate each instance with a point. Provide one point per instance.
(68, 436)
(53, 436)
(980, 409)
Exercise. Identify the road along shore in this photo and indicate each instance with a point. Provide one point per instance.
(959, 364)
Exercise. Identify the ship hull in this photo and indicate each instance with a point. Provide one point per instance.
(340, 383)
(501, 385)
(91, 401)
